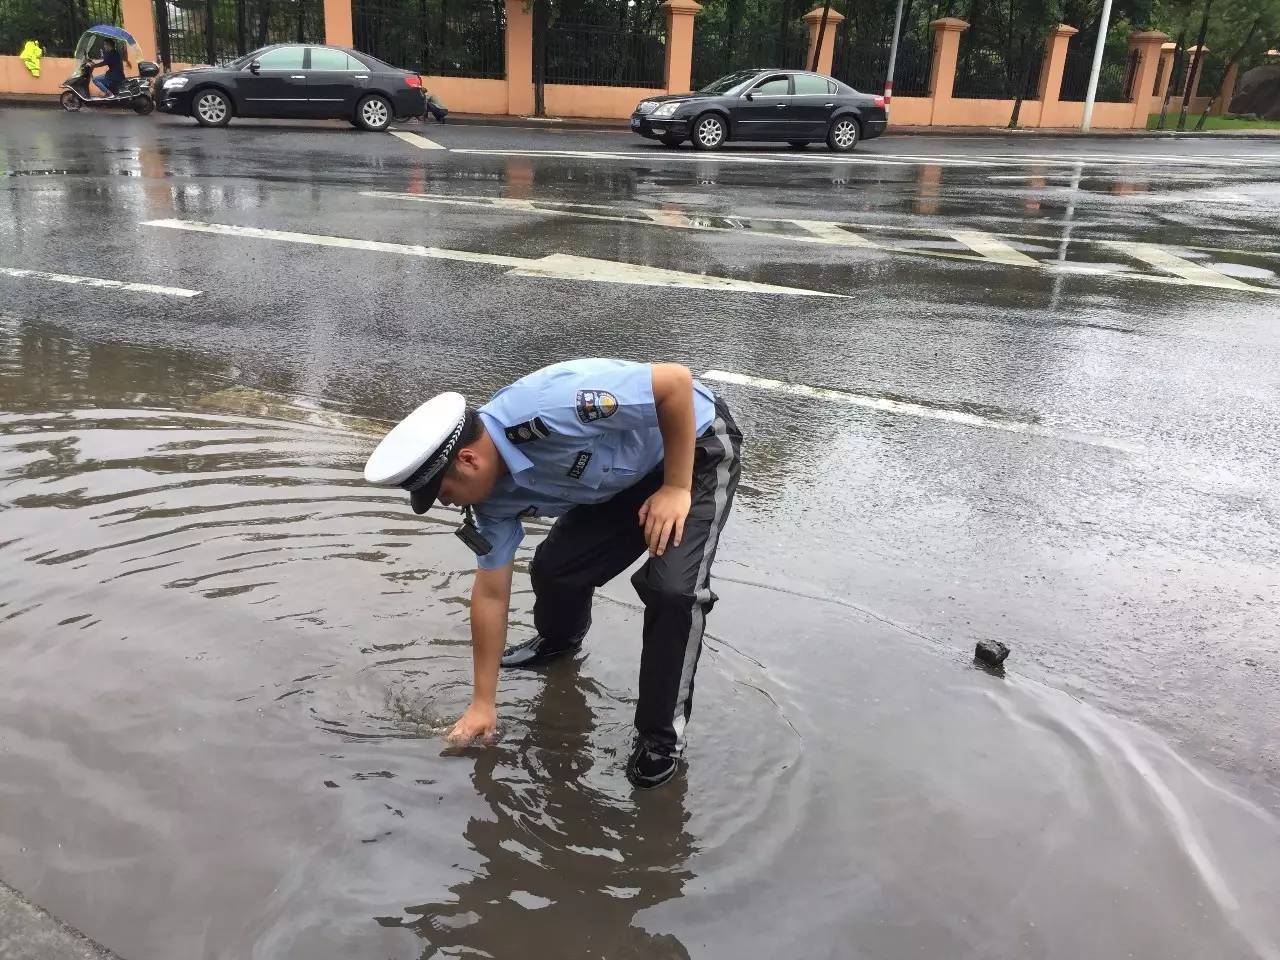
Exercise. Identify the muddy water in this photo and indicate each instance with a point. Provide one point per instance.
(225, 665)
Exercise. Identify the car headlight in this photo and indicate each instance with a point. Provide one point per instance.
(176, 83)
(668, 109)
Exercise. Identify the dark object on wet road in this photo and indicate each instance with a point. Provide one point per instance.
(130, 92)
(296, 82)
(793, 106)
(992, 653)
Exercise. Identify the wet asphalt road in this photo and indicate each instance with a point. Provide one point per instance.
(1044, 411)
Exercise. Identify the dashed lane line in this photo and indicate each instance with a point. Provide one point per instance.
(421, 142)
(903, 408)
(993, 248)
(556, 266)
(97, 282)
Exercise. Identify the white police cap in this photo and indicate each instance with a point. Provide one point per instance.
(416, 452)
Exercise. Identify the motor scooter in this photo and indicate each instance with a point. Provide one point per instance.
(134, 92)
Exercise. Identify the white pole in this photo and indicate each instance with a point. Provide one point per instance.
(893, 55)
(1103, 24)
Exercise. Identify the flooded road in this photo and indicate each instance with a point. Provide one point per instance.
(226, 663)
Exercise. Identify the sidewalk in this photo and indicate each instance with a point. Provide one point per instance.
(623, 126)
(29, 933)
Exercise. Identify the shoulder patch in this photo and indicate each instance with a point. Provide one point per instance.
(579, 464)
(596, 405)
(533, 429)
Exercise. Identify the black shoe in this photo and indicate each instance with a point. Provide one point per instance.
(539, 650)
(650, 765)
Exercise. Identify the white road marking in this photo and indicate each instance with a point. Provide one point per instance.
(559, 266)
(828, 232)
(98, 282)
(900, 407)
(1195, 273)
(988, 248)
(422, 143)
(882, 159)
(993, 248)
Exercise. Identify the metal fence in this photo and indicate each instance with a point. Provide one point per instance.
(447, 38)
(718, 51)
(864, 65)
(219, 31)
(1115, 79)
(55, 24)
(604, 56)
(988, 74)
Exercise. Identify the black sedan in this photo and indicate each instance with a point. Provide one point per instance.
(295, 81)
(794, 106)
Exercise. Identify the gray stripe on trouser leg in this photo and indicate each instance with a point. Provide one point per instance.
(702, 586)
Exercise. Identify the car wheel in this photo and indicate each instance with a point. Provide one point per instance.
(70, 102)
(374, 113)
(798, 144)
(212, 108)
(708, 132)
(143, 105)
(671, 141)
(843, 135)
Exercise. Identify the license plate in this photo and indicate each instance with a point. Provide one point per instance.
(635, 123)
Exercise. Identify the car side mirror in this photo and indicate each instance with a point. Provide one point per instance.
(749, 95)
(254, 66)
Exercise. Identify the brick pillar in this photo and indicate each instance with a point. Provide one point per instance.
(519, 58)
(1148, 43)
(1194, 81)
(942, 72)
(1055, 59)
(1166, 72)
(813, 20)
(679, 70)
(337, 23)
(137, 18)
(1227, 90)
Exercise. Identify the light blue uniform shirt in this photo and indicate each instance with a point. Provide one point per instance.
(574, 432)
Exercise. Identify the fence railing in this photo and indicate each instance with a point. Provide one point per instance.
(448, 38)
(604, 56)
(718, 51)
(55, 24)
(864, 66)
(1115, 79)
(219, 31)
(987, 74)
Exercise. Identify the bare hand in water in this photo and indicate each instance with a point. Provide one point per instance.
(480, 720)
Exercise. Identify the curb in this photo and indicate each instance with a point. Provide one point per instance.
(28, 931)
(623, 126)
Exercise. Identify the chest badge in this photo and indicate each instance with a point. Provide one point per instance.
(579, 464)
(596, 405)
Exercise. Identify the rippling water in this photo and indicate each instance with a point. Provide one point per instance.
(225, 665)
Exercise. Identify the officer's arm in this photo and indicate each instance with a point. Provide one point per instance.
(664, 513)
(490, 603)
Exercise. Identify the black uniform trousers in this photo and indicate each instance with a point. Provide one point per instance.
(593, 543)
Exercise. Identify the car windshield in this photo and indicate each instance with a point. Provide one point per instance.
(728, 82)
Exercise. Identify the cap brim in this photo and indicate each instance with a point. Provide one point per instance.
(424, 497)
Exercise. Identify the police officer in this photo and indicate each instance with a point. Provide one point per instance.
(630, 457)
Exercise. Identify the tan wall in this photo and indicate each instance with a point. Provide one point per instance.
(468, 95)
(565, 100)
(1108, 116)
(910, 111)
(16, 78)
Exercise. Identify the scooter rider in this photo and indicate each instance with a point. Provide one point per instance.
(109, 83)
(630, 457)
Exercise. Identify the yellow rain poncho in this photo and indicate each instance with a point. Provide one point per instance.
(31, 54)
